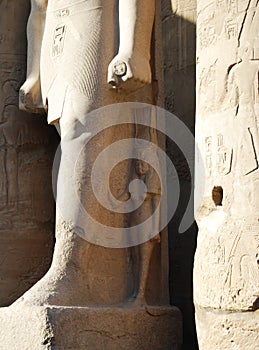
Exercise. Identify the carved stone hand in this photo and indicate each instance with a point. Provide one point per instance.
(122, 69)
(30, 99)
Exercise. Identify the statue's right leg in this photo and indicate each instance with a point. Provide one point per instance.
(66, 281)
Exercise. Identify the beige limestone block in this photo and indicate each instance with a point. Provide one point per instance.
(228, 330)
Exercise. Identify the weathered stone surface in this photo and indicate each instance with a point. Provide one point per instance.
(78, 328)
(228, 331)
(226, 273)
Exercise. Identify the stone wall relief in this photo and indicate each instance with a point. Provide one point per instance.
(16, 131)
(241, 279)
(10, 133)
(242, 92)
(218, 155)
(228, 126)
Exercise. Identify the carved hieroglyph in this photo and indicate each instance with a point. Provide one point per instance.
(226, 273)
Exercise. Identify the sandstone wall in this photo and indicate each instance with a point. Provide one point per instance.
(26, 151)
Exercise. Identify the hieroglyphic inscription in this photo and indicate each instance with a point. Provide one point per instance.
(58, 40)
(231, 29)
(232, 6)
(62, 13)
(217, 151)
(207, 35)
(223, 157)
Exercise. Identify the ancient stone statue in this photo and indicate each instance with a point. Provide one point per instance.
(76, 65)
(82, 56)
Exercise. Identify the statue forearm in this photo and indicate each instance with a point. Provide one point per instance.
(30, 92)
(35, 28)
(136, 19)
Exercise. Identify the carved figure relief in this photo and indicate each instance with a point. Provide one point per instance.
(11, 131)
(16, 131)
(243, 87)
(242, 274)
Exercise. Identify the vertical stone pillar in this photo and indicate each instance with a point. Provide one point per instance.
(226, 274)
(26, 152)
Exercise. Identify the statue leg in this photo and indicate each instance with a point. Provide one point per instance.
(145, 254)
(142, 256)
(68, 269)
(69, 263)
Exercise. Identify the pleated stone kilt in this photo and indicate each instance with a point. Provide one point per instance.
(78, 45)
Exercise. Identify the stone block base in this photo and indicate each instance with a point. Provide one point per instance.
(82, 328)
(218, 330)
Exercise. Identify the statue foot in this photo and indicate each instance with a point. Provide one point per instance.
(65, 283)
(57, 288)
(136, 302)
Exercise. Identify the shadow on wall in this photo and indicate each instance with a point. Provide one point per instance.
(179, 40)
(27, 147)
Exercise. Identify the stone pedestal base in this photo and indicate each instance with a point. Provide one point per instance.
(227, 331)
(82, 328)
